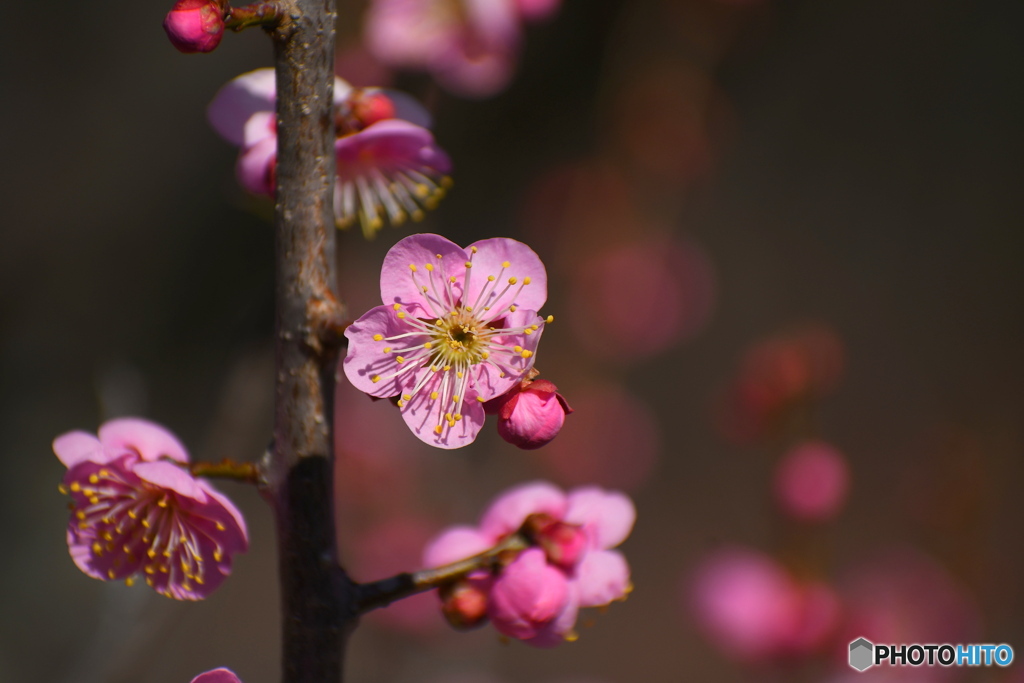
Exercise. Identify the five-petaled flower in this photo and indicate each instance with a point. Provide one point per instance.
(458, 327)
(136, 510)
(570, 565)
(387, 161)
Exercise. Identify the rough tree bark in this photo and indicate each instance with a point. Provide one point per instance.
(317, 597)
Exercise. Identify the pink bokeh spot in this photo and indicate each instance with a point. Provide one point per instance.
(569, 565)
(812, 481)
(458, 327)
(753, 610)
(217, 676)
(136, 511)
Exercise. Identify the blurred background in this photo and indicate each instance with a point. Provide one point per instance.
(783, 239)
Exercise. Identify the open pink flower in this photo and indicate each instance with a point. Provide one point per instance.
(530, 414)
(388, 164)
(536, 597)
(470, 46)
(137, 511)
(217, 676)
(458, 327)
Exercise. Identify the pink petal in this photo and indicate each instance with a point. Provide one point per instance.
(390, 145)
(422, 415)
(255, 167)
(150, 440)
(523, 263)
(217, 676)
(602, 577)
(235, 536)
(259, 127)
(239, 99)
(555, 631)
(606, 516)
(75, 447)
(409, 32)
(397, 284)
(528, 595)
(456, 543)
(535, 10)
(407, 107)
(510, 510)
(166, 475)
(365, 360)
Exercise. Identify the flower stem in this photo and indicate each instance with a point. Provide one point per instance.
(386, 591)
(317, 597)
(227, 469)
(267, 13)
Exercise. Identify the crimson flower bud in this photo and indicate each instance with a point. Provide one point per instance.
(530, 414)
(464, 603)
(195, 25)
(562, 543)
(372, 106)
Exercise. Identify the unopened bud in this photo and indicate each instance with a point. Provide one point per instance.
(195, 25)
(464, 603)
(562, 543)
(530, 414)
(372, 106)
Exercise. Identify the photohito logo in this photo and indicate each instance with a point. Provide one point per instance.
(864, 654)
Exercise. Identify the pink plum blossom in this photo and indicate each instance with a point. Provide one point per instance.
(811, 482)
(458, 327)
(530, 414)
(136, 510)
(388, 164)
(195, 25)
(470, 46)
(752, 609)
(570, 564)
(217, 676)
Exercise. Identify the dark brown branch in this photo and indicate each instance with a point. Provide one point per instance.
(317, 597)
(265, 14)
(383, 593)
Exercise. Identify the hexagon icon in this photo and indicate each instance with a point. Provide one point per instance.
(861, 654)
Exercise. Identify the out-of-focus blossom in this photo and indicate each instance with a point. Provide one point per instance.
(903, 596)
(470, 46)
(774, 376)
(667, 284)
(458, 327)
(136, 510)
(537, 595)
(217, 676)
(388, 164)
(195, 25)
(750, 607)
(530, 414)
(612, 440)
(811, 482)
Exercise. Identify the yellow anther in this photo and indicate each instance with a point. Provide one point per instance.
(512, 308)
(481, 399)
(378, 337)
(97, 548)
(399, 359)
(513, 280)
(94, 499)
(406, 397)
(517, 349)
(459, 375)
(132, 513)
(433, 395)
(400, 314)
(550, 319)
(469, 309)
(76, 487)
(505, 264)
(386, 349)
(412, 267)
(150, 569)
(473, 249)
(528, 330)
(428, 345)
(145, 523)
(526, 280)
(80, 514)
(485, 354)
(491, 278)
(469, 264)
(104, 472)
(62, 488)
(424, 288)
(218, 555)
(526, 354)
(438, 429)
(572, 637)
(534, 327)
(164, 569)
(458, 417)
(375, 379)
(111, 573)
(455, 398)
(423, 191)
(430, 266)
(437, 255)
(198, 579)
(447, 368)
(397, 307)
(151, 553)
(418, 215)
(434, 368)
(89, 492)
(93, 479)
(451, 279)
(83, 525)
(162, 502)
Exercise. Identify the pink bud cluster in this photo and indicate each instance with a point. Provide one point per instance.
(535, 595)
